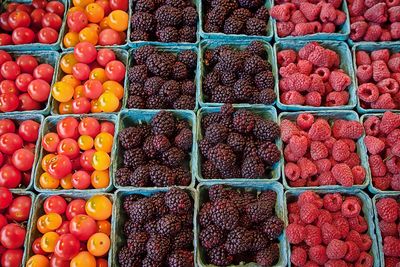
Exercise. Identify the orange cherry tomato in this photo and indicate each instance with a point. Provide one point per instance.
(67, 62)
(103, 142)
(118, 20)
(82, 3)
(46, 160)
(66, 182)
(75, 8)
(62, 91)
(38, 261)
(65, 108)
(95, 26)
(71, 39)
(41, 224)
(108, 102)
(98, 207)
(47, 181)
(70, 79)
(94, 12)
(89, 34)
(95, 106)
(99, 74)
(48, 241)
(101, 161)
(115, 88)
(104, 227)
(52, 221)
(98, 244)
(100, 179)
(85, 142)
(104, 23)
(78, 92)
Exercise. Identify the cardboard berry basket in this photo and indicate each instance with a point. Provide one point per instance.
(120, 216)
(49, 125)
(366, 209)
(133, 117)
(265, 112)
(39, 211)
(248, 187)
(18, 118)
(121, 55)
(361, 149)
(379, 237)
(341, 49)
(341, 35)
(239, 44)
(162, 47)
(37, 46)
(394, 47)
(222, 36)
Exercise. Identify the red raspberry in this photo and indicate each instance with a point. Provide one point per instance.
(358, 30)
(394, 13)
(340, 17)
(324, 73)
(324, 217)
(394, 63)
(329, 232)
(295, 218)
(391, 261)
(389, 122)
(396, 150)
(340, 151)
(311, 264)
(382, 183)
(347, 129)
(388, 228)
(305, 66)
(301, 182)
(295, 233)
(355, 198)
(350, 208)
(376, 14)
(308, 213)
(391, 246)
(353, 252)
(359, 174)
(395, 30)
(328, 13)
(364, 73)
(392, 3)
(366, 242)
(355, 237)
(365, 260)
(292, 98)
(289, 156)
(388, 85)
(317, 84)
(380, 54)
(393, 137)
(282, 12)
(320, 130)
(334, 99)
(293, 208)
(374, 145)
(288, 70)
(357, 8)
(299, 82)
(335, 3)
(329, 27)
(371, 3)
(322, 57)
(373, 33)
(306, 50)
(362, 57)
(288, 129)
(343, 175)
(326, 178)
(307, 168)
(339, 80)
(292, 171)
(323, 165)
(342, 225)
(395, 182)
(385, 36)
(313, 99)
(380, 70)
(298, 17)
(298, 256)
(285, 57)
(387, 209)
(298, 145)
(368, 92)
(329, 142)
(350, 143)
(336, 249)
(385, 101)
(307, 28)
(305, 120)
(358, 223)
(335, 263)
(318, 254)
(284, 29)
(309, 197)
(377, 166)
(393, 165)
(313, 235)
(318, 150)
(333, 202)
(310, 11)
(371, 125)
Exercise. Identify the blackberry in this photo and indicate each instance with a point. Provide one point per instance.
(144, 5)
(162, 176)
(250, 3)
(223, 94)
(216, 16)
(148, 262)
(216, 133)
(228, 78)
(236, 141)
(225, 214)
(153, 85)
(257, 48)
(180, 4)
(230, 60)
(137, 73)
(168, 16)
(140, 177)
(161, 143)
(159, 203)
(130, 137)
(227, 110)
(218, 192)
(189, 58)
(259, 211)
(136, 89)
(126, 259)
(210, 82)
(185, 102)
(233, 25)
(155, 102)
(205, 214)
(250, 149)
(136, 243)
(169, 225)
(269, 256)
(135, 101)
(181, 124)
(255, 26)
(142, 211)
(259, 241)
(142, 21)
(157, 247)
(187, 34)
(243, 121)
(269, 153)
(242, 14)
(208, 27)
(268, 196)
(252, 168)
(134, 157)
(148, 147)
(209, 171)
(204, 146)
(122, 176)
(211, 237)
(151, 227)
(273, 227)
(173, 157)
(168, 35)
(238, 240)
(230, 5)
(242, 90)
(181, 258)
(266, 130)
(179, 71)
(184, 139)
(254, 65)
(163, 123)
(178, 201)
(266, 97)
(183, 176)
(262, 13)
(146, 129)
(131, 227)
(222, 156)
(159, 65)
(190, 16)
(187, 220)
(142, 53)
(128, 202)
(264, 80)
(231, 173)
(138, 35)
(218, 256)
(242, 200)
(183, 240)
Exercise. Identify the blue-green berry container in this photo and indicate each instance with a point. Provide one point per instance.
(49, 125)
(344, 53)
(256, 188)
(360, 146)
(264, 112)
(237, 44)
(133, 117)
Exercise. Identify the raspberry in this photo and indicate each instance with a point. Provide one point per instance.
(318, 150)
(292, 171)
(347, 129)
(285, 57)
(305, 120)
(350, 143)
(394, 63)
(339, 80)
(377, 166)
(298, 17)
(359, 174)
(376, 14)
(394, 30)
(389, 122)
(342, 225)
(320, 130)
(305, 66)
(358, 223)
(306, 50)
(388, 228)
(324, 217)
(393, 137)
(308, 213)
(288, 129)
(355, 237)
(353, 252)
(391, 261)
(368, 92)
(365, 260)
(328, 27)
(321, 57)
(362, 57)
(313, 99)
(388, 85)
(301, 29)
(333, 202)
(382, 183)
(340, 151)
(328, 13)
(343, 175)
(371, 125)
(317, 84)
(309, 197)
(292, 98)
(293, 208)
(295, 233)
(310, 11)
(337, 99)
(299, 82)
(329, 232)
(374, 145)
(307, 167)
(336, 249)
(381, 54)
(335, 263)
(395, 182)
(284, 29)
(313, 235)
(358, 30)
(288, 155)
(323, 165)
(387, 209)
(298, 256)
(350, 208)
(385, 36)
(393, 165)
(391, 246)
(318, 254)
(364, 73)
(373, 33)
(329, 142)
(385, 101)
(282, 12)
(380, 70)
(298, 145)
(326, 178)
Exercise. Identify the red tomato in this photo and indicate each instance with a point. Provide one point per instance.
(23, 7)
(4, 22)
(76, 165)
(27, 103)
(86, 160)
(12, 258)
(92, 89)
(115, 70)
(105, 5)
(47, 36)
(23, 159)
(10, 70)
(68, 128)
(20, 208)
(39, 3)
(59, 166)
(68, 147)
(55, 204)
(5, 198)
(64, 228)
(36, 247)
(81, 105)
(10, 177)
(23, 35)
(89, 126)
(81, 71)
(58, 262)
(12, 7)
(8, 102)
(52, 20)
(109, 37)
(55, 7)
(119, 4)
(8, 86)
(4, 57)
(29, 130)
(81, 180)
(3, 222)
(67, 247)
(22, 81)
(76, 21)
(82, 227)
(85, 52)
(6, 126)
(36, 18)
(39, 90)
(50, 142)
(10, 142)
(19, 19)
(44, 71)
(27, 63)
(74, 208)
(5, 39)
(104, 56)
(12, 236)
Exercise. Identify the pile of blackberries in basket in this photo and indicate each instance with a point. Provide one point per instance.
(240, 227)
(162, 80)
(238, 144)
(159, 230)
(238, 76)
(156, 154)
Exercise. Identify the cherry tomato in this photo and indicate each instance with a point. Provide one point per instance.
(82, 3)
(4, 22)
(60, 166)
(47, 181)
(52, 221)
(2, 159)
(101, 262)
(10, 142)
(20, 208)
(108, 127)
(8, 86)
(5, 198)
(109, 37)
(76, 21)
(10, 177)
(4, 57)
(115, 70)
(81, 71)
(55, 7)
(85, 142)
(94, 12)
(51, 20)
(65, 182)
(99, 207)
(89, 126)
(10, 70)
(39, 90)
(29, 130)
(98, 74)
(108, 102)
(64, 228)
(8, 102)
(50, 142)
(5, 39)
(83, 259)
(38, 261)
(95, 27)
(88, 34)
(103, 142)
(70, 79)
(65, 107)
(27, 63)
(74, 208)
(55, 204)
(36, 18)
(36, 247)
(12, 7)
(92, 89)
(44, 71)
(81, 105)
(71, 39)
(48, 241)
(3, 222)
(86, 160)
(82, 227)
(23, 35)
(12, 236)
(22, 81)
(98, 244)
(46, 161)
(23, 159)
(104, 227)
(68, 128)
(12, 258)
(62, 92)
(105, 56)
(119, 4)
(6, 126)
(115, 88)
(85, 52)
(47, 36)
(67, 247)
(23, 7)
(118, 20)
(68, 147)
(27, 103)
(81, 180)
(58, 262)
(19, 19)
(100, 179)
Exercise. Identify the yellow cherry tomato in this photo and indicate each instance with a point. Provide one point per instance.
(48, 241)
(115, 88)
(94, 12)
(47, 181)
(95, 26)
(83, 259)
(103, 142)
(71, 39)
(75, 8)
(98, 74)
(100, 179)
(104, 227)
(104, 23)
(85, 142)
(65, 108)
(38, 261)
(78, 91)
(41, 224)
(101, 161)
(108, 102)
(82, 3)
(67, 62)
(98, 244)
(46, 160)
(52, 221)
(88, 34)
(95, 106)
(62, 91)
(70, 79)
(118, 20)
(66, 182)
(98, 207)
